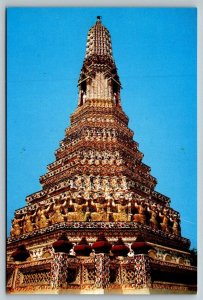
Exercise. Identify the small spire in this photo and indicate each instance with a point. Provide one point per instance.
(99, 18)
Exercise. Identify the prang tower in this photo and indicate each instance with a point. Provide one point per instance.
(98, 225)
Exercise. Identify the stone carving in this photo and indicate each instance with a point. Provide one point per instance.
(140, 216)
(122, 210)
(78, 182)
(28, 225)
(176, 225)
(57, 215)
(114, 183)
(165, 220)
(100, 210)
(87, 183)
(105, 184)
(97, 183)
(16, 229)
(123, 183)
(41, 220)
(79, 213)
(153, 216)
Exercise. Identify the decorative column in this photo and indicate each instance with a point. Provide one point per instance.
(11, 284)
(102, 272)
(59, 266)
(19, 255)
(142, 271)
(102, 261)
(59, 269)
(142, 265)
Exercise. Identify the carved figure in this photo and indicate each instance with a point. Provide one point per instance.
(86, 195)
(124, 183)
(28, 225)
(97, 185)
(116, 99)
(100, 207)
(91, 154)
(16, 228)
(122, 210)
(105, 184)
(78, 182)
(165, 220)
(111, 161)
(140, 217)
(72, 184)
(78, 214)
(176, 225)
(57, 216)
(114, 183)
(153, 218)
(41, 219)
(87, 183)
(82, 98)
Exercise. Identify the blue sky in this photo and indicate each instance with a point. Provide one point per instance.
(155, 52)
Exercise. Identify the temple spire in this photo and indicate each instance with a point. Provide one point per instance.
(98, 40)
(99, 79)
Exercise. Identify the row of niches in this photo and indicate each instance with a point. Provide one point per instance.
(142, 181)
(62, 161)
(71, 184)
(99, 32)
(99, 45)
(98, 63)
(99, 49)
(78, 157)
(100, 120)
(101, 110)
(102, 51)
(97, 142)
(84, 161)
(93, 121)
(105, 42)
(99, 183)
(94, 102)
(90, 183)
(89, 133)
(169, 256)
(97, 209)
(87, 194)
(95, 135)
(40, 253)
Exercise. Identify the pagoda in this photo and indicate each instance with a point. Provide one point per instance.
(98, 225)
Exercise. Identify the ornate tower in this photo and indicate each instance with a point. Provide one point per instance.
(98, 225)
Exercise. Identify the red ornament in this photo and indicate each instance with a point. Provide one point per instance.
(62, 244)
(119, 248)
(21, 254)
(83, 248)
(101, 245)
(140, 246)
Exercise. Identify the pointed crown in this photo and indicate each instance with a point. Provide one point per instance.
(98, 40)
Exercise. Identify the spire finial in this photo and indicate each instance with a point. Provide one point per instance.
(99, 18)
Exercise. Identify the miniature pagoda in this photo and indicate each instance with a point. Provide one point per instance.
(98, 225)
